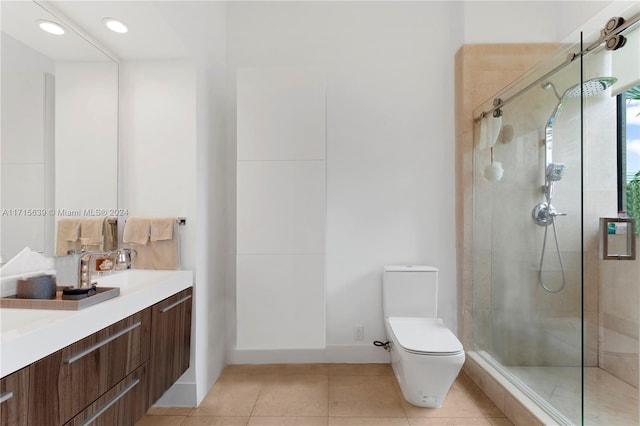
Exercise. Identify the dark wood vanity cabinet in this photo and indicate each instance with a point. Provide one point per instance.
(122, 405)
(170, 342)
(14, 398)
(109, 378)
(66, 382)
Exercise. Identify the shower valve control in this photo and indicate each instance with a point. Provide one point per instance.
(544, 214)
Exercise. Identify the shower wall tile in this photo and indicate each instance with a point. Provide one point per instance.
(620, 289)
(621, 366)
(591, 280)
(619, 318)
(482, 280)
(482, 330)
(481, 70)
(591, 339)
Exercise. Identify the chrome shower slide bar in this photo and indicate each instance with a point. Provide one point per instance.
(612, 29)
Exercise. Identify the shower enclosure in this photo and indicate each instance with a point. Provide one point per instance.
(546, 309)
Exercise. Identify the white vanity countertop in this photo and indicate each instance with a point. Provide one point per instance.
(28, 335)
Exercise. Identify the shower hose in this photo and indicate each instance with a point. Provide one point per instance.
(551, 219)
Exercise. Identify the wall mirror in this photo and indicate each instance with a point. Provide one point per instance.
(59, 129)
(617, 239)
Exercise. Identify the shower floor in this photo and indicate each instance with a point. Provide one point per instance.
(608, 400)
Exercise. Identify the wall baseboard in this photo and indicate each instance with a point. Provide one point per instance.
(276, 356)
(178, 395)
(331, 354)
(367, 354)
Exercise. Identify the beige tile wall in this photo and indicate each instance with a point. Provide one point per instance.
(481, 71)
(618, 322)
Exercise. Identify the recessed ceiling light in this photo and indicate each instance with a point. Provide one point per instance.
(115, 25)
(50, 27)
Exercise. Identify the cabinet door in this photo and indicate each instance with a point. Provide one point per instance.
(170, 342)
(14, 398)
(122, 405)
(66, 382)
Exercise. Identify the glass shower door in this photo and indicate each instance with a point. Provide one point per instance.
(528, 241)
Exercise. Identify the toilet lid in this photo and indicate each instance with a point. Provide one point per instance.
(427, 336)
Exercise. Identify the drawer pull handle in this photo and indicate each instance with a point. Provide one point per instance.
(98, 345)
(112, 401)
(5, 397)
(174, 304)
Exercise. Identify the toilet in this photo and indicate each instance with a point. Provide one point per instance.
(425, 355)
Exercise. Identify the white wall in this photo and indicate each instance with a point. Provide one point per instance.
(529, 21)
(390, 143)
(202, 28)
(511, 21)
(192, 99)
(158, 164)
(86, 134)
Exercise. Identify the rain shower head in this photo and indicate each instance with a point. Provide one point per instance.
(590, 87)
(555, 171)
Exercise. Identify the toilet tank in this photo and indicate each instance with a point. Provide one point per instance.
(410, 291)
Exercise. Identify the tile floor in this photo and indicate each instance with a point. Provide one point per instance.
(324, 394)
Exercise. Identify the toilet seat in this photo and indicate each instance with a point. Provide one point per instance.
(425, 336)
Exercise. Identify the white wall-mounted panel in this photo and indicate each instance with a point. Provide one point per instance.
(280, 302)
(281, 207)
(282, 114)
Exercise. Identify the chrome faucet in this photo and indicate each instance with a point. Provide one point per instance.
(94, 262)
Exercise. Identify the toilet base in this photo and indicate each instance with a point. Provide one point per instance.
(421, 389)
(424, 380)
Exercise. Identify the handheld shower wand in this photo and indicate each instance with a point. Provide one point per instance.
(553, 173)
(543, 213)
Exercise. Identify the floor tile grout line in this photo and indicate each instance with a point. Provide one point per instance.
(257, 398)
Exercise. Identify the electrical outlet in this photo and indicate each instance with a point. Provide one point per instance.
(358, 332)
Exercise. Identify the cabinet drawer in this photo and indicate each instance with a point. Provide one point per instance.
(122, 405)
(170, 343)
(14, 398)
(67, 381)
